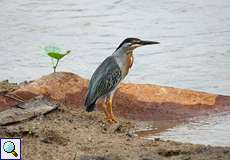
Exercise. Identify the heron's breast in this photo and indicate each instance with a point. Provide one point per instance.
(128, 64)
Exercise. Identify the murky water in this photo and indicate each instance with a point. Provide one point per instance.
(213, 130)
(194, 52)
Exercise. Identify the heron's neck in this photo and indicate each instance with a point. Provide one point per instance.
(122, 55)
(123, 58)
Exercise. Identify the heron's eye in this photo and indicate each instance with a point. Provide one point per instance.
(128, 44)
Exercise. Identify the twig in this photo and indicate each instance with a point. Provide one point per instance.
(15, 97)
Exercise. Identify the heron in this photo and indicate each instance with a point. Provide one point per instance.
(109, 74)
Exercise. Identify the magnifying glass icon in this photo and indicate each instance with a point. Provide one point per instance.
(9, 147)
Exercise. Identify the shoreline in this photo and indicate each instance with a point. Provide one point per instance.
(70, 133)
(73, 134)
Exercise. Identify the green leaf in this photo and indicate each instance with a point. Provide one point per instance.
(67, 52)
(55, 55)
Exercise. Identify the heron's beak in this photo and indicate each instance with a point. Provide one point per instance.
(148, 43)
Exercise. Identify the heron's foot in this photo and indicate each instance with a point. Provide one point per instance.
(111, 120)
(114, 119)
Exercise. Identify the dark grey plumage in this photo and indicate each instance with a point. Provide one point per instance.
(104, 80)
(109, 74)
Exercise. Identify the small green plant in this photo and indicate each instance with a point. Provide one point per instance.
(55, 54)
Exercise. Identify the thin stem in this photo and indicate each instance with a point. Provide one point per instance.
(56, 65)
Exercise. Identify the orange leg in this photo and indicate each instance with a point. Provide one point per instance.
(110, 110)
(104, 107)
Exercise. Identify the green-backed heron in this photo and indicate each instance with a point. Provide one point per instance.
(109, 75)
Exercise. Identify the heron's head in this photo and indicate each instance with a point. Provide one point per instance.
(129, 44)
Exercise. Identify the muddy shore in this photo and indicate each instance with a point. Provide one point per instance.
(70, 133)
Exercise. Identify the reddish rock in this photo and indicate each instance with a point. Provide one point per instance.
(136, 101)
(152, 102)
(6, 103)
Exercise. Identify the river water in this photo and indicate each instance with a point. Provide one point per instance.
(194, 51)
(208, 130)
(195, 39)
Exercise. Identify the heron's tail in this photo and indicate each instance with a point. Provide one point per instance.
(90, 108)
(89, 105)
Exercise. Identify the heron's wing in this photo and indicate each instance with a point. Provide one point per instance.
(106, 77)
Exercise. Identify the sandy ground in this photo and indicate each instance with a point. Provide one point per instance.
(76, 135)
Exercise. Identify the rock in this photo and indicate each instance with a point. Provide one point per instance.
(134, 101)
(61, 86)
(17, 131)
(169, 152)
(6, 86)
(25, 111)
(114, 128)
